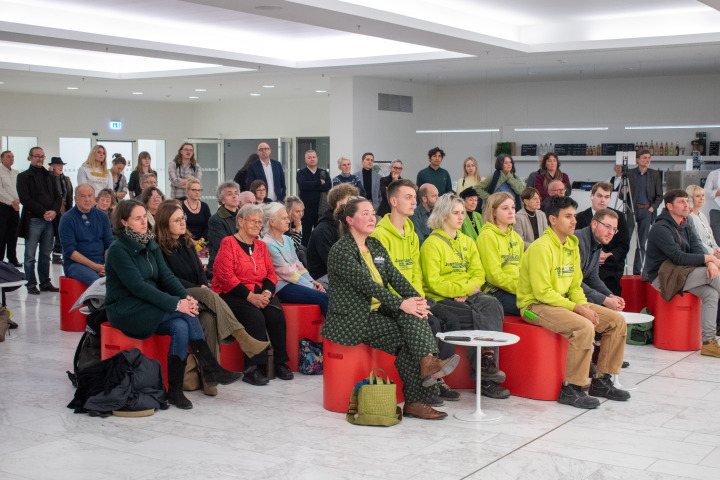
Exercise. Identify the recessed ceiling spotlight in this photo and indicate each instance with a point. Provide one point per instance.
(268, 7)
(137, 93)
(193, 97)
(201, 90)
(254, 94)
(268, 86)
(320, 91)
(72, 88)
(2, 83)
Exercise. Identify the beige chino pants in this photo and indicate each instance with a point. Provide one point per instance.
(581, 332)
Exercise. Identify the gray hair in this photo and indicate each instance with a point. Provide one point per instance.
(442, 210)
(249, 210)
(145, 176)
(291, 200)
(397, 160)
(690, 190)
(247, 197)
(339, 161)
(220, 192)
(270, 212)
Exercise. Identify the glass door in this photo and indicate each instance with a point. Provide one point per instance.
(209, 155)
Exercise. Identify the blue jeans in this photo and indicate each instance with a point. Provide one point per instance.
(292, 293)
(508, 302)
(40, 232)
(181, 328)
(81, 273)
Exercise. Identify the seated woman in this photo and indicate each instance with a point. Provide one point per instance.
(105, 201)
(259, 189)
(503, 180)
(296, 209)
(530, 221)
(295, 284)
(143, 298)
(363, 309)
(549, 171)
(245, 278)
(151, 198)
(197, 212)
(501, 249)
(453, 276)
(700, 221)
(473, 221)
(217, 320)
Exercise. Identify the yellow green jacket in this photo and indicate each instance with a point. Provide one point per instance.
(550, 273)
(450, 270)
(501, 254)
(404, 249)
(467, 227)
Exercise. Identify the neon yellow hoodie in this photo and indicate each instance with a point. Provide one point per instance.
(550, 273)
(501, 254)
(404, 249)
(450, 270)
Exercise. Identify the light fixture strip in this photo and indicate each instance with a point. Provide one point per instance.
(561, 129)
(479, 130)
(668, 127)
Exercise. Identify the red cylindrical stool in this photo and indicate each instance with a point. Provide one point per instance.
(386, 361)
(677, 323)
(113, 341)
(302, 321)
(460, 377)
(231, 357)
(634, 293)
(70, 291)
(535, 366)
(343, 367)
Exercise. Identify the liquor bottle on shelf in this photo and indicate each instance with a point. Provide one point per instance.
(671, 150)
(667, 149)
(660, 150)
(677, 149)
(637, 146)
(646, 147)
(550, 148)
(652, 147)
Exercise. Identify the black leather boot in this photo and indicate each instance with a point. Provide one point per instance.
(176, 373)
(210, 370)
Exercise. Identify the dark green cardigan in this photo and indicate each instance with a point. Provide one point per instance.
(140, 288)
(353, 288)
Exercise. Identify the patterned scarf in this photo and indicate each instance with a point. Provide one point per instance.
(143, 238)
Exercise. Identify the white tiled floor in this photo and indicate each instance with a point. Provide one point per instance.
(669, 429)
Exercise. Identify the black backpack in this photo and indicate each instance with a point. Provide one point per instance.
(87, 352)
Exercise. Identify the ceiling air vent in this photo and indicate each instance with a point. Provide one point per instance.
(395, 103)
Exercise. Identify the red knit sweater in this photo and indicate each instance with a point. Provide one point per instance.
(233, 266)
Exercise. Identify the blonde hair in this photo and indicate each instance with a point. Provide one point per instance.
(690, 190)
(493, 203)
(90, 162)
(476, 177)
(443, 209)
(192, 181)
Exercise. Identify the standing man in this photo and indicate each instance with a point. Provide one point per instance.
(85, 236)
(434, 174)
(396, 168)
(612, 256)
(550, 295)
(345, 165)
(312, 183)
(646, 191)
(269, 171)
(370, 180)
(9, 208)
(428, 194)
(712, 192)
(65, 188)
(41, 199)
(675, 240)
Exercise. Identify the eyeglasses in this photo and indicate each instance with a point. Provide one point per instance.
(187, 150)
(253, 222)
(614, 230)
(397, 168)
(150, 182)
(180, 220)
(262, 149)
(155, 198)
(195, 190)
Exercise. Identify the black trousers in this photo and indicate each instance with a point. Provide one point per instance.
(257, 322)
(611, 279)
(9, 221)
(309, 220)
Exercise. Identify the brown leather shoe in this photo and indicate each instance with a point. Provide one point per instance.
(422, 410)
(432, 368)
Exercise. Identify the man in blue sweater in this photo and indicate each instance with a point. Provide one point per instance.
(85, 236)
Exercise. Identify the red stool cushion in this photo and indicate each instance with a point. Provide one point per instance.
(535, 366)
(302, 321)
(634, 293)
(460, 377)
(343, 367)
(231, 357)
(113, 341)
(70, 291)
(677, 323)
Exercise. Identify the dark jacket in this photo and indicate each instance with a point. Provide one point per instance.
(322, 238)
(140, 288)
(594, 288)
(419, 220)
(353, 289)
(255, 171)
(66, 191)
(619, 246)
(310, 189)
(38, 193)
(654, 188)
(384, 203)
(220, 225)
(185, 264)
(668, 240)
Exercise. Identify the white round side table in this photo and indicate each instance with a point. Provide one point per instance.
(631, 318)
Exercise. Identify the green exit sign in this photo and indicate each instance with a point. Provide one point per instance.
(115, 125)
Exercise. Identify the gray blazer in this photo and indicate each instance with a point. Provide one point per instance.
(375, 187)
(523, 227)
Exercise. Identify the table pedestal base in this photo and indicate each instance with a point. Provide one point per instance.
(478, 416)
(627, 387)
